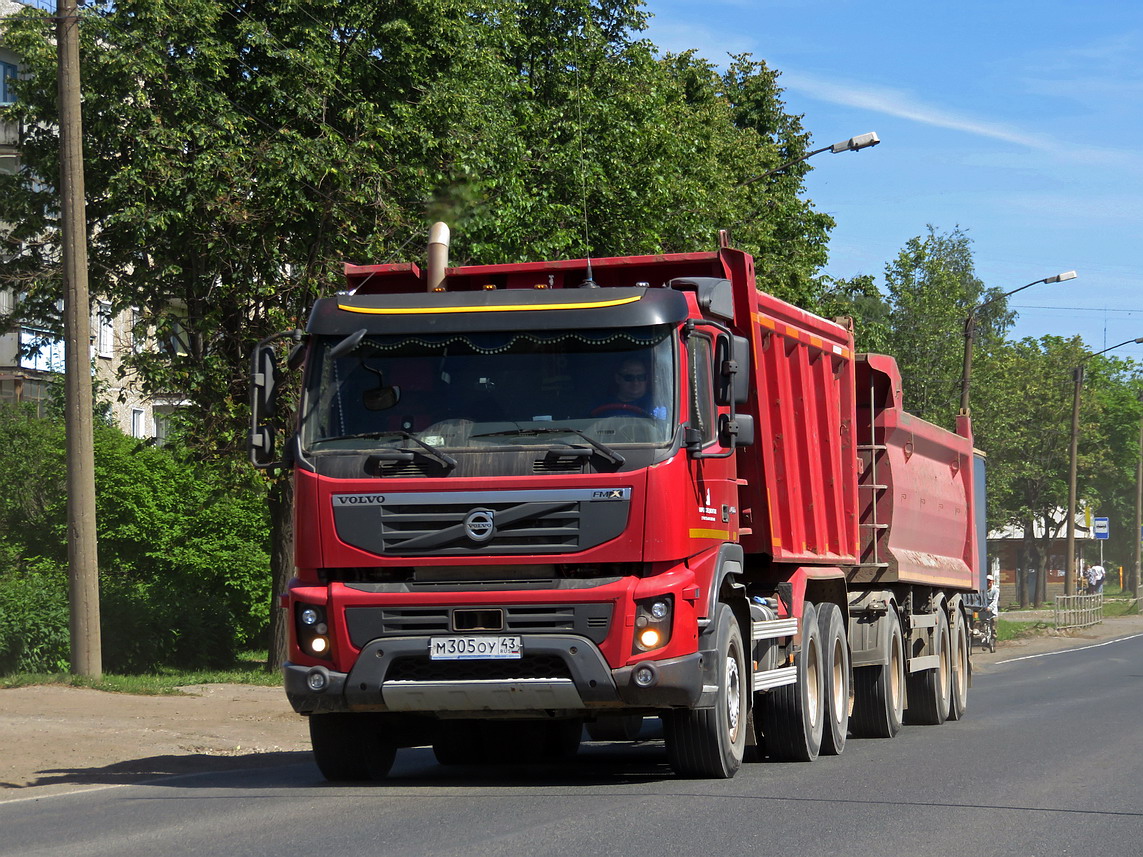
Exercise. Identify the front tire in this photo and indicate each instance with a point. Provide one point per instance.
(351, 747)
(710, 742)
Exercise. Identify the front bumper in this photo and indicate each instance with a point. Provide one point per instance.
(583, 684)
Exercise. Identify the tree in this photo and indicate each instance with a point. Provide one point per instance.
(932, 287)
(239, 153)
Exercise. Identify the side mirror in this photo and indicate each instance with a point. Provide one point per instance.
(736, 431)
(732, 370)
(264, 378)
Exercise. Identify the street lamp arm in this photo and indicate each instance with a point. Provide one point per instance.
(970, 331)
(853, 144)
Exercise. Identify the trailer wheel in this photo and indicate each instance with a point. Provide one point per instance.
(958, 704)
(351, 747)
(793, 715)
(879, 691)
(710, 742)
(930, 690)
(835, 660)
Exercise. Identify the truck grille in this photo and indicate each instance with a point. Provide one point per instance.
(471, 523)
(587, 620)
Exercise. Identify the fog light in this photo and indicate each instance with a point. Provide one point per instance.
(316, 680)
(318, 645)
(309, 616)
(644, 676)
(650, 638)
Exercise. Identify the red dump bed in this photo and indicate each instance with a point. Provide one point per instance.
(916, 489)
(840, 474)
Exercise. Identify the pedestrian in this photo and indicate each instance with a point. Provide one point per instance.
(1095, 575)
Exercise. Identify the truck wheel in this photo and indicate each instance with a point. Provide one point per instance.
(929, 690)
(710, 742)
(615, 727)
(958, 705)
(835, 659)
(793, 715)
(351, 747)
(879, 691)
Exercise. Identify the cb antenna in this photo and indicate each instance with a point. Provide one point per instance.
(589, 282)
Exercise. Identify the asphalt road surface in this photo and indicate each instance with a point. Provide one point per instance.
(1048, 762)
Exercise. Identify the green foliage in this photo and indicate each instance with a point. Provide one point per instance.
(183, 552)
(932, 286)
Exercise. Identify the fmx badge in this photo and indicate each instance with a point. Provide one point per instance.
(611, 494)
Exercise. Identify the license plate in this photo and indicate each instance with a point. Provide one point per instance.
(474, 648)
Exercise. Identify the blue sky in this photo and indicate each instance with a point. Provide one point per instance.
(1018, 121)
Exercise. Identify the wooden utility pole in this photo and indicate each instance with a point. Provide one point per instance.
(83, 557)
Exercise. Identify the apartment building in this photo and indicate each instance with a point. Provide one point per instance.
(32, 358)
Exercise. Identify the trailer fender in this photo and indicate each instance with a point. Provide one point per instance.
(869, 629)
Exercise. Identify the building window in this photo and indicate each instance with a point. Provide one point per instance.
(40, 350)
(106, 330)
(138, 422)
(7, 75)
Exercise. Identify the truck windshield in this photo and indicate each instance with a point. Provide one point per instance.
(473, 391)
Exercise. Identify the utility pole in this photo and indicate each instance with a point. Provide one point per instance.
(1135, 571)
(83, 557)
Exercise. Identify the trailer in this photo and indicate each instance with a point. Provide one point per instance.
(533, 497)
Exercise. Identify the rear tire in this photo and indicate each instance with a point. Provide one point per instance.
(961, 670)
(836, 679)
(931, 689)
(710, 742)
(351, 747)
(792, 716)
(879, 691)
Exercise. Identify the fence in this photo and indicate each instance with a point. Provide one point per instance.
(1078, 611)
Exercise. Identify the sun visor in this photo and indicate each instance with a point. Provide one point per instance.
(503, 309)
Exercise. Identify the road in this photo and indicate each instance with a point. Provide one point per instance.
(1047, 763)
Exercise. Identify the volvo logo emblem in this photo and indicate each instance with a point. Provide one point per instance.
(480, 525)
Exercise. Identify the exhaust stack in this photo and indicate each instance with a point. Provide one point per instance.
(438, 256)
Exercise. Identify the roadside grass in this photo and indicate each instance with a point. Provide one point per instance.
(250, 669)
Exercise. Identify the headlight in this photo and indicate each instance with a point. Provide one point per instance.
(311, 630)
(652, 623)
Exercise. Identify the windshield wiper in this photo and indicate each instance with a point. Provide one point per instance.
(603, 449)
(426, 450)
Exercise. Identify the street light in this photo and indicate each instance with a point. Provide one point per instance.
(970, 331)
(1070, 557)
(853, 144)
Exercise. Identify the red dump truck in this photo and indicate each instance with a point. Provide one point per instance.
(535, 497)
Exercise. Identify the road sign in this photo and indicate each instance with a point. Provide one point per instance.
(1100, 528)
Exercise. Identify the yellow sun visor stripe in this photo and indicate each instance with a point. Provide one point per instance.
(504, 308)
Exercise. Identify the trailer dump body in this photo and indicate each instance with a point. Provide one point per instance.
(543, 496)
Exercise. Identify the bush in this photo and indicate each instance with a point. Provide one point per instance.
(183, 553)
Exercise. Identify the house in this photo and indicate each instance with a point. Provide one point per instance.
(1007, 559)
